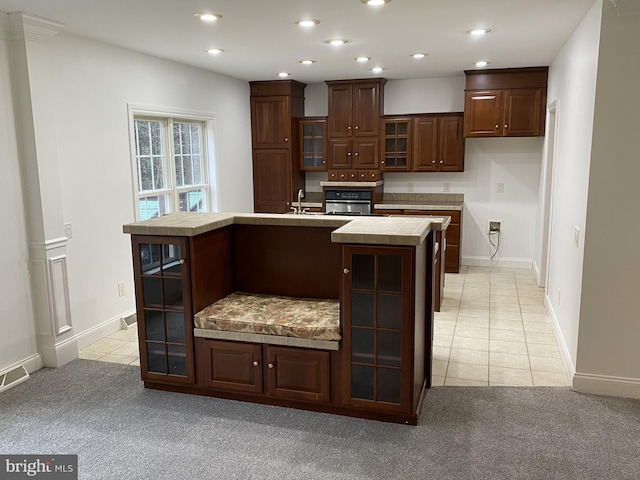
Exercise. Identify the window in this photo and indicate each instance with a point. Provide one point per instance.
(170, 165)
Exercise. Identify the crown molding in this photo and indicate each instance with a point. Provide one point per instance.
(28, 27)
(626, 7)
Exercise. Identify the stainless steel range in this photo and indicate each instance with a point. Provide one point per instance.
(348, 202)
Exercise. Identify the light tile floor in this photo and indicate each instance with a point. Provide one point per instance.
(492, 329)
(119, 347)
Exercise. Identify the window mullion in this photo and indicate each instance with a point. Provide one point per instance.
(171, 164)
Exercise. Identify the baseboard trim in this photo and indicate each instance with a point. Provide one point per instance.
(522, 263)
(606, 385)
(569, 367)
(103, 329)
(31, 363)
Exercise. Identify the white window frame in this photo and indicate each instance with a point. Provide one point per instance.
(164, 114)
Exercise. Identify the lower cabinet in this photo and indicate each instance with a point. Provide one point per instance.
(284, 372)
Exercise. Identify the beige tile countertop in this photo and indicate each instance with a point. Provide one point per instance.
(394, 230)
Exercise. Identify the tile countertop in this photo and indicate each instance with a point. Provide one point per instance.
(421, 201)
(394, 230)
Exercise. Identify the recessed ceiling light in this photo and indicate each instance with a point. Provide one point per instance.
(376, 69)
(419, 55)
(283, 74)
(307, 62)
(481, 64)
(307, 23)
(478, 32)
(337, 42)
(362, 59)
(214, 51)
(209, 17)
(375, 3)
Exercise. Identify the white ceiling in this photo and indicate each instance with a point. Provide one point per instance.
(260, 38)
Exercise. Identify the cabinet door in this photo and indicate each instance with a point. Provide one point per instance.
(163, 301)
(340, 153)
(230, 366)
(313, 150)
(298, 373)
(365, 153)
(522, 112)
(483, 113)
(450, 144)
(340, 110)
(425, 134)
(270, 122)
(366, 109)
(377, 298)
(396, 145)
(271, 181)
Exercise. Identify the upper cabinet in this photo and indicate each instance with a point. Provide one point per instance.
(508, 102)
(355, 107)
(276, 107)
(353, 124)
(423, 143)
(313, 148)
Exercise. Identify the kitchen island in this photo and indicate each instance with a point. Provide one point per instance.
(324, 313)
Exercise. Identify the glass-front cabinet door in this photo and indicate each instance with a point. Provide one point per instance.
(313, 148)
(377, 289)
(163, 303)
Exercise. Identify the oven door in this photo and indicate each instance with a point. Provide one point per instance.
(348, 207)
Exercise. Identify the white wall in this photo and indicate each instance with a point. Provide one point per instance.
(512, 161)
(608, 343)
(572, 83)
(91, 84)
(17, 342)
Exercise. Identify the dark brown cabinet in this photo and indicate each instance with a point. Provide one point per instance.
(423, 143)
(313, 145)
(383, 331)
(355, 107)
(164, 310)
(438, 143)
(275, 109)
(505, 102)
(285, 372)
(396, 144)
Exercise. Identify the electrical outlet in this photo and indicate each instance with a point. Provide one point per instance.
(121, 289)
(576, 236)
(410, 187)
(500, 188)
(447, 188)
(494, 226)
(67, 230)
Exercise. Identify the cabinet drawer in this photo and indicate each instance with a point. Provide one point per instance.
(454, 214)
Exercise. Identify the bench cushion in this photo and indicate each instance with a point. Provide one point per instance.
(310, 318)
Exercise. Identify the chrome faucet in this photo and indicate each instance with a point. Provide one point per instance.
(298, 210)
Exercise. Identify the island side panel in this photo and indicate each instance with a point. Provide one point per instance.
(211, 267)
(286, 260)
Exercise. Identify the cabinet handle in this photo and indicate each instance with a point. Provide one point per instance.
(287, 204)
(181, 261)
(256, 363)
(357, 128)
(346, 271)
(356, 154)
(497, 126)
(286, 139)
(349, 128)
(382, 162)
(271, 365)
(441, 161)
(349, 154)
(506, 126)
(433, 161)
